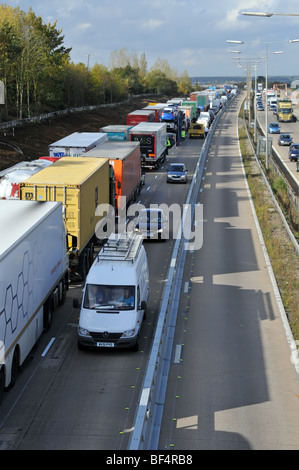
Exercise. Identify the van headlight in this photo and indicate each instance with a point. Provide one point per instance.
(129, 333)
(83, 332)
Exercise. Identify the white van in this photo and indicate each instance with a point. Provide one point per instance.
(273, 100)
(115, 295)
(204, 116)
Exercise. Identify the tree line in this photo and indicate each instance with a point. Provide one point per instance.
(39, 77)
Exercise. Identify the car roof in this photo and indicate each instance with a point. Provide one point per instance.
(151, 209)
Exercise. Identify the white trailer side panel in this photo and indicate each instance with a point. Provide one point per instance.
(32, 260)
(74, 145)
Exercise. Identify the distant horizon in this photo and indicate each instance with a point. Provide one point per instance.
(239, 78)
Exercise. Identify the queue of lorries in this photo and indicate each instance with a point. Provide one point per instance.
(49, 218)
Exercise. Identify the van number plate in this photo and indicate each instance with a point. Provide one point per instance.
(105, 345)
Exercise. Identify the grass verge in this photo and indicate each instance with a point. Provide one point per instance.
(284, 259)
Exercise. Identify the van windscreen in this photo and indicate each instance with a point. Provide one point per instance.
(109, 297)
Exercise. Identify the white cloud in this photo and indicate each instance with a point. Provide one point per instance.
(152, 24)
(190, 34)
(84, 26)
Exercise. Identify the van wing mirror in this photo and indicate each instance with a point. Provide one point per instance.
(142, 305)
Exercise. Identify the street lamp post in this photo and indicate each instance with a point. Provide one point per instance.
(254, 65)
(255, 80)
(266, 14)
(266, 109)
(266, 84)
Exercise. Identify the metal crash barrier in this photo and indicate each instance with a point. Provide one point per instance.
(148, 418)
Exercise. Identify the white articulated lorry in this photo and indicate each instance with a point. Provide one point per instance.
(76, 144)
(115, 295)
(33, 278)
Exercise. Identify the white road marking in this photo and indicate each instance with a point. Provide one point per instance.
(48, 347)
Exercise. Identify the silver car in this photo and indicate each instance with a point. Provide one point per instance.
(285, 139)
(177, 173)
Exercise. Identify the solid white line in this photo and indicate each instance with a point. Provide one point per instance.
(144, 396)
(177, 356)
(48, 347)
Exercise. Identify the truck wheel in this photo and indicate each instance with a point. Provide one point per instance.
(14, 367)
(48, 314)
(64, 291)
(91, 253)
(87, 250)
(83, 267)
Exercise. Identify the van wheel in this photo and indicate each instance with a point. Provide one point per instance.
(135, 348)
(80, 346)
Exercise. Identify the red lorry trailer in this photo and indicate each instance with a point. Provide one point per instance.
(157, 108)
(140, 115)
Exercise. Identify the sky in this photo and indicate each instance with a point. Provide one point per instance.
(191, 35)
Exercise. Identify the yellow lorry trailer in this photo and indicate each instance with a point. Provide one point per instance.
(81, 184)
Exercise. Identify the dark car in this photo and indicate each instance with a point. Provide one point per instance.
(294, 152)
(285, 139)
(152, 224)
(177, 173)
